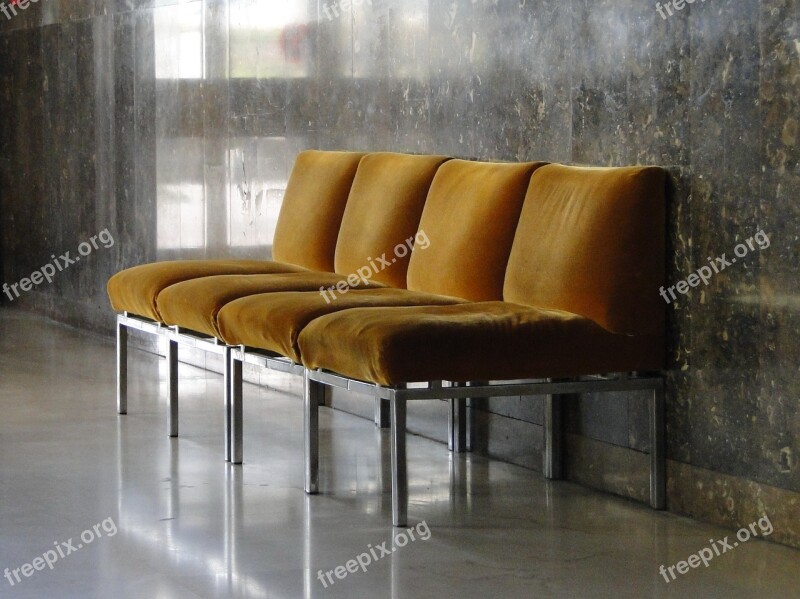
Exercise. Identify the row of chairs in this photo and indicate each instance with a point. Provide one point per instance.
(412, 277)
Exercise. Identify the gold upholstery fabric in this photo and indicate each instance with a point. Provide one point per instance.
(135, 290)
(591, 241)
(195, 304)
(469, 218)
(382, 213)
(576, 253)
(471, 341)
(272, 321)
(312, 209)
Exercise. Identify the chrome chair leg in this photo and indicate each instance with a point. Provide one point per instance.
(313, 393)
(235, 415)
(122, 368)
(399, 465)
(172, 385)
(457, 423)
(228, 404)
(381, 413)
(553, 455)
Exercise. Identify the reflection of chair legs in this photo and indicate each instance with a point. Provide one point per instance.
(384, 443)
(233, 515)
(461, 484)
(463, 438)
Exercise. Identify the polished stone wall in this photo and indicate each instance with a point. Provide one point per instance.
(174, 126)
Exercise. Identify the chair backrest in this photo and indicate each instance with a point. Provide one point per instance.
(313, 206)
(591, 241)
(469, 221)
(383, 214)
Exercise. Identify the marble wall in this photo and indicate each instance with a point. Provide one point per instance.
(174, 126)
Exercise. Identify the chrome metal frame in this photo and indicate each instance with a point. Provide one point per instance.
(457, 394)
(175, 337)
(238, 358)
(390, 406)
(234, 358)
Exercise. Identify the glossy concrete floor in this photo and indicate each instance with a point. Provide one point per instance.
(176, 522)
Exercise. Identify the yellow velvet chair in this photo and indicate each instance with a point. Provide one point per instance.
(527, 272)
(580, 300)
(580, 295)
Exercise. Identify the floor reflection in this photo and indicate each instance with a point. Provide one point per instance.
(191, 526)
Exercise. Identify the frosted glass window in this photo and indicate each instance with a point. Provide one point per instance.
(179, 41)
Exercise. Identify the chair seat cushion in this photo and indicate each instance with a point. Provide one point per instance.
(468, 342)
(273, 321)
(136, 289)
(195, 304)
